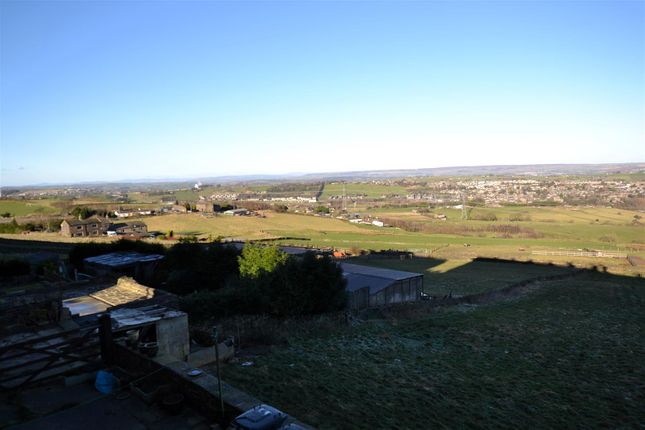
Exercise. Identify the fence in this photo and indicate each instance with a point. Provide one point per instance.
(48, 356)
(604, 254)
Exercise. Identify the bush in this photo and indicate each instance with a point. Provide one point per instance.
(306, 286)
(256, 260)
(11, 227)
(607, 238)
(487, 216)
(194, 267)
(9, 268)
(519, 217)
(229, 301)
(82, 212)
(298, 287)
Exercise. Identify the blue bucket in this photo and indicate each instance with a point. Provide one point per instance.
(105, 382)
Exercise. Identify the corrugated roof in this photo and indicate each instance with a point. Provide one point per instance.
(395, 275)
(134, 316)
(374, 283)
(122, 259)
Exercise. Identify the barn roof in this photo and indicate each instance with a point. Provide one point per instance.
(374, 283)
(374, 278)
(394, 275)
(122, 259)
(91, 220)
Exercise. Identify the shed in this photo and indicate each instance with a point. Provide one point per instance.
(374, 286)
(140, 266)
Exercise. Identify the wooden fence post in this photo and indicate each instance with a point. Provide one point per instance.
(105, 335)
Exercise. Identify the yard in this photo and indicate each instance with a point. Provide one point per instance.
(568, 355)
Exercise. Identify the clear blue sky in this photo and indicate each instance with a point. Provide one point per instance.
(119, 90)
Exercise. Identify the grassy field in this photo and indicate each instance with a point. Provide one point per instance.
(327, 232)
(559, 229)
(568, 355)
(611, 226)
(273, 225)
(463, 277)
(28, 207)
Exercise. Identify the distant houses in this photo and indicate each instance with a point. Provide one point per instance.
(136, 228)
(133, 213)
(96, 226)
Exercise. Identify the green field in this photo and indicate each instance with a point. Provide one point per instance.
(568, 355)
(543, 229)
(328, 232)
(28, 207)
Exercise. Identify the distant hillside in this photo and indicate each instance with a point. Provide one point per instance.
(529, 169)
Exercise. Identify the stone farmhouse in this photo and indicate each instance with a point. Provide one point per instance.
(97, 226)
(90, 227)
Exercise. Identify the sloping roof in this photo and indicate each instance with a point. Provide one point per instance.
(90, 220)
(133, 316)
(374, 278)
(394, 275)
(126, 290)
(374, 283)
(132, 224)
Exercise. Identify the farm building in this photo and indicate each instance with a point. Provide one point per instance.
(237, 212)
(207, 207)
(134, 228)
(92, 226)
(375, 286)
(130, 263)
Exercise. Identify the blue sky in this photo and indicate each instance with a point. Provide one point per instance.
(126, 90)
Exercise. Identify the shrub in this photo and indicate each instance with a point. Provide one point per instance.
(305, 286)
(11, 227)
(82, 212)
(256, 259)
(519, 217)
(195, 267)
(298, 287)
(607, 238)
(486, 216)
(9, 268)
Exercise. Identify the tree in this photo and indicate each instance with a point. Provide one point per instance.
(83, 212)
(305, 286)
(256, 260)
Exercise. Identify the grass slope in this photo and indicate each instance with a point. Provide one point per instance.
(570, 355)
(27, 207)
